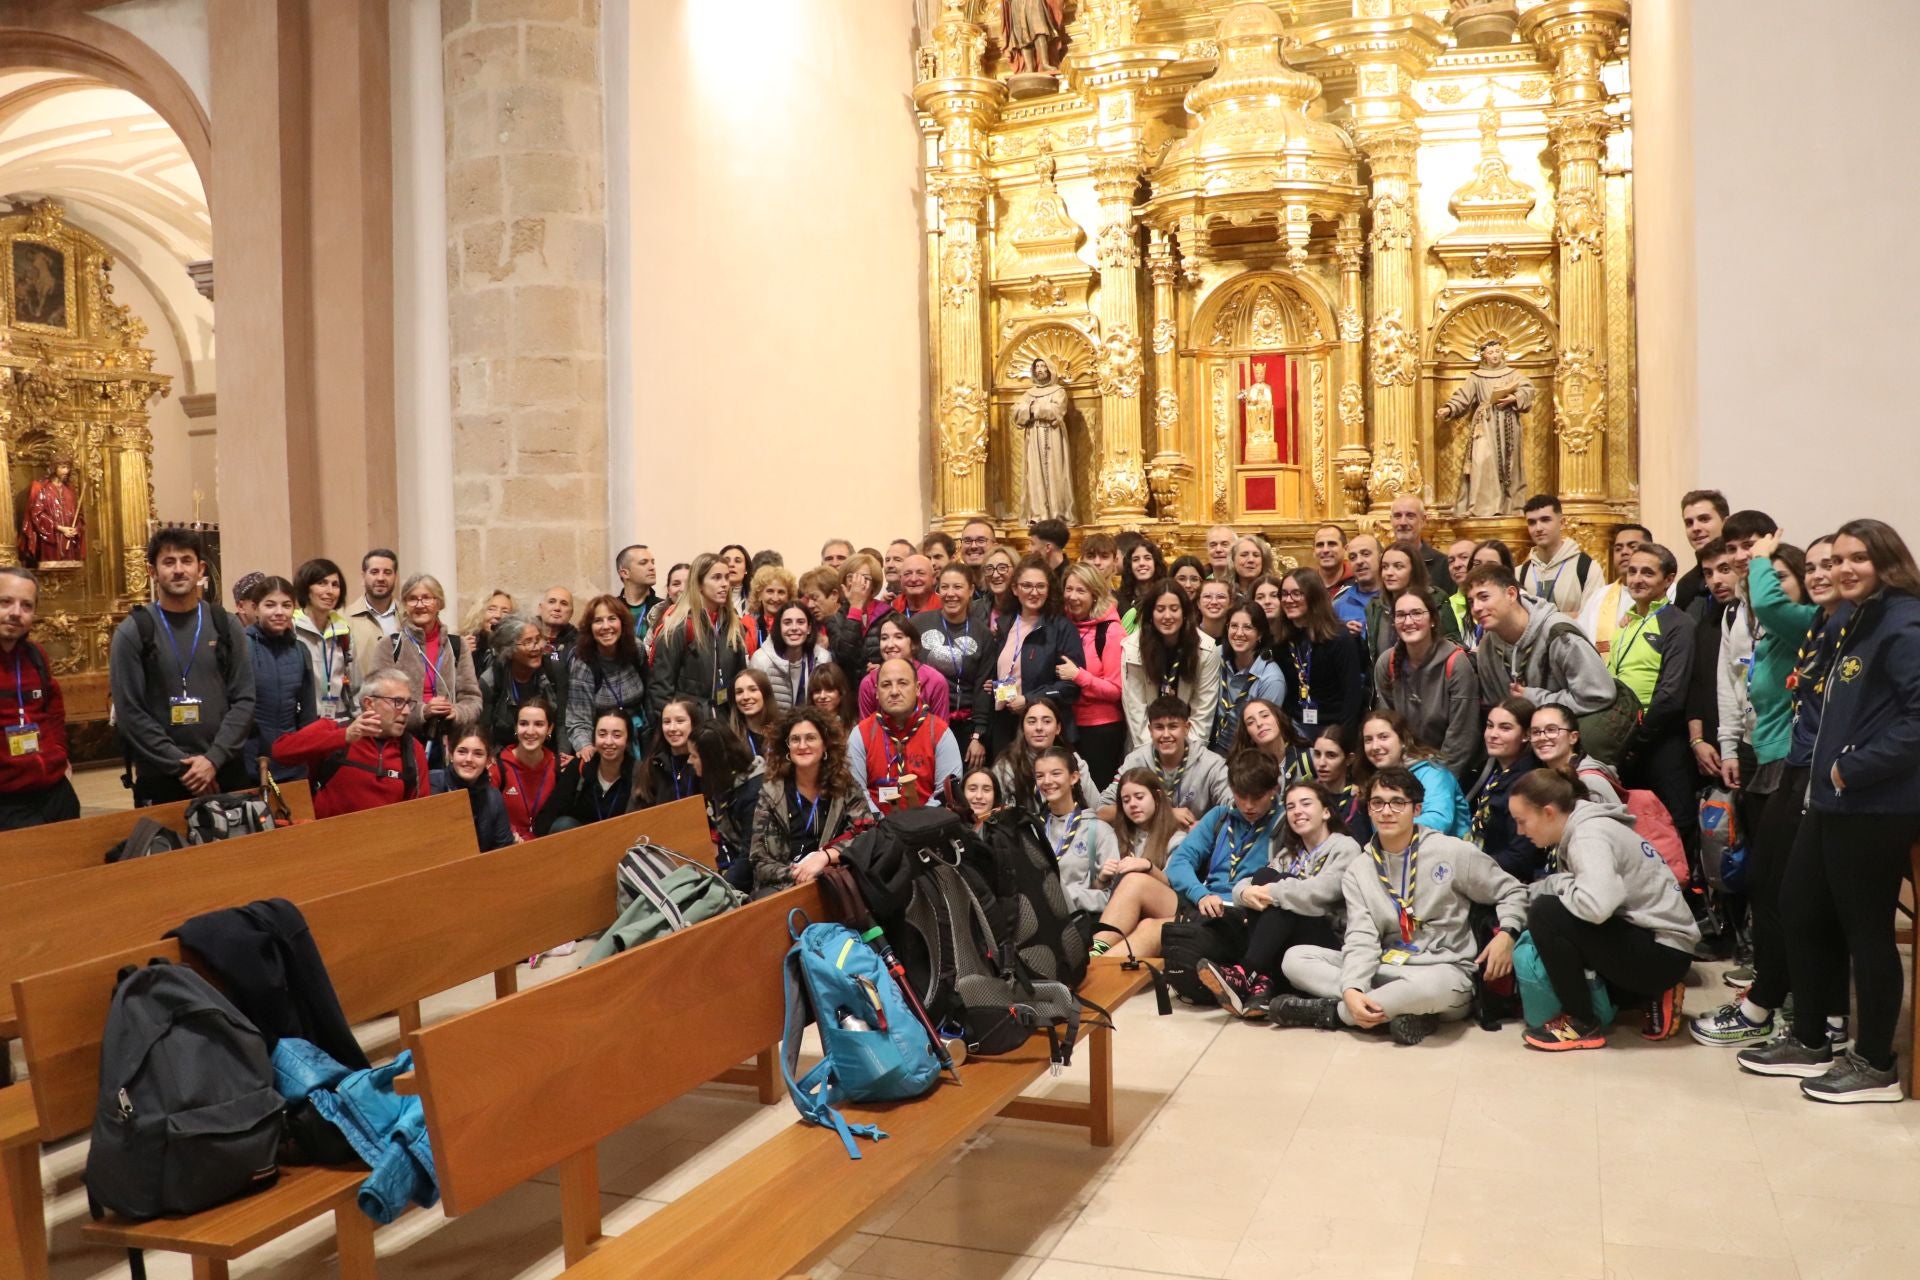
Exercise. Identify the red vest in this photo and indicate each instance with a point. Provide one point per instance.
(887, 759)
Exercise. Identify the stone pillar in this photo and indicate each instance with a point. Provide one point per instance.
(1392, 345)
(526, 257)
(1169, 472)
(1352, 458)
(964, 103)
(1120, 487)
(1578, 35)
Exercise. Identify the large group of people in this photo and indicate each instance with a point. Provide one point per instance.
(1394, 785)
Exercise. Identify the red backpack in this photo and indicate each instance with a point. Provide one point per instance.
(1652, 823)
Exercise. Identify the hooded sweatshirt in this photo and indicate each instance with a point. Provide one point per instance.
(1222, 850)
(1443, 877)
(1554, 662)
(1558, 579)
(1104, 641)
(1238, 687)
(1310, 879)
(1197, 784)
(1440, 698)
(1081, 845)
(1200, 689)
(1783, 629)
(1602, 869)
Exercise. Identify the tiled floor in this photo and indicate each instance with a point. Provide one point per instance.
(1251, 1152)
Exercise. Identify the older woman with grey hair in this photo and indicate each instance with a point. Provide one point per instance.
(523, 667)
(437, 662)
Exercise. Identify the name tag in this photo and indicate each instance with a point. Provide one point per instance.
(184, 710)
(888, 791)
(1395, 955)
(1004, 692)
(1310, 715)
(23, 740)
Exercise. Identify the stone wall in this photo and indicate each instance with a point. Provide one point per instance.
(526, 267)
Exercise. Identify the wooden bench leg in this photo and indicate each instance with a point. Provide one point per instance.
(579, 1204)
(506, 981)
(409, 1019)
(1100, 1086)
(766, 1075)
(209, 1268)
(353, 1240)
(23, 1222)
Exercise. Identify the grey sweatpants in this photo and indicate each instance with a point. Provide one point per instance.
(1440, 989)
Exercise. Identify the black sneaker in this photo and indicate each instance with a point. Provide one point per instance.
(1786, 1056)
(1411, 1028)
(1854, 1079)
(1305, 1011)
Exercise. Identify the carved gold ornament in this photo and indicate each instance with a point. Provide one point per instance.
(1579, 228)
(1119, 369)
(1579, 399)
(1166, 411)
(1352, 328)
(1353, 408)
(1392, 223)
(963, 428)
(1395, 362)
(1395, 472)
(1117, 248)
(1316, 465)
(1519, 329)
(960, 271)
(1123, 485)
(1221, 426)
(1045, 295)
(1497, 263)
(1163, 336)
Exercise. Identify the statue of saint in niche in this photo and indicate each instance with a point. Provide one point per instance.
(1262, 445)
(1042, 414)
(1493, 399)
(53, 532)
(1032, 33)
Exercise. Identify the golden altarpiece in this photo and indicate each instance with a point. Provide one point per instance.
(75, 384)
(1337, 200)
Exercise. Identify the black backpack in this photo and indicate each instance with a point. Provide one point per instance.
(915, 869)
(227, 816)
(145, 840)
(187, 1116)
(1031, 918)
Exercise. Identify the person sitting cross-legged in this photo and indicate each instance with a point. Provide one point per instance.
(1408, 956)
(1607, 904)
(1228, 845)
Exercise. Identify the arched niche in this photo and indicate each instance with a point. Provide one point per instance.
(1069, 352)
(1531, 341)
(1282, 325)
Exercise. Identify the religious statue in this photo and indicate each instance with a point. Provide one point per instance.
(1492, 472)
(52, 532)
(1031, 32)
(1261, 444)
(1042, 414)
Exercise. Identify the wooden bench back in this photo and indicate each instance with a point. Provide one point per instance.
(385, 944)
(59, 847)
(519, 1085)
(56, 920)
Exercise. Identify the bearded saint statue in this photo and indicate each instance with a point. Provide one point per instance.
(53, 531)
(1042, 414)
(1031, 32)
(1493, 398)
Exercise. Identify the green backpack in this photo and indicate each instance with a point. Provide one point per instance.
(669, 893)
(1603, 733)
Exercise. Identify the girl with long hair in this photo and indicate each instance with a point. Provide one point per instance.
(1245, 673)
(1387, 742)
(1556, 741)
(666, 774)
(738, 562)
(755, 714)
(283, 682)
(730, 778)
(1431, 681)
(832, 693)
(1509, 758)
(796, 650)
(808, 804)
(1210, 609)
(1026, 665)
(1142, 567)
(899, 638)
(1320, 661)
(1100, 727)
(606, 672)
(702, 644)
(1187, 573)
(525, 771)
(1264, 727)
(1335, 754)
(597, 783)
(469, 763)
(1141, 900)
(980, 793)
(1041, 725)
(1082, 845)
(1403, 569)
(1169, 656)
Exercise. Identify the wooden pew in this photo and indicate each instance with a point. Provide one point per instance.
(387, 945)
(58, 920)
(784, 1205)
(60, 847)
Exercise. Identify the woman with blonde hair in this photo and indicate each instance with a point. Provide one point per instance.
(477, 627)
(1250, 560)
(702, 645)
(772, 587)
(1099, 722)
(861, 579)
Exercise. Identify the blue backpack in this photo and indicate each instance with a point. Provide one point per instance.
(875, 1050)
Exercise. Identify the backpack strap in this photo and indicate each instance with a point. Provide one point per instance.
(809, 1092)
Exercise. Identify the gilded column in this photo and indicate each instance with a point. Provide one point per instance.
(1169, 472)
(1120, 490)
(1393, 351)
(964, 103)
(1351, 458)
(1579, 35)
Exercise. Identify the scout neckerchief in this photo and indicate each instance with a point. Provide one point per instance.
(1302, 863)
(1170, 681)
(897, 744)
(1409, 881)
(1171, 785)
(1483, 803)
(1241, 849)
(1065, 843)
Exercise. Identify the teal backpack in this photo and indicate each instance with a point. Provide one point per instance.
(875, 1050)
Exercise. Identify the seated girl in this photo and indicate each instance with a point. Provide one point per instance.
(666, 774)
(1387, 744)
(1265, 728)
(1607, 904)
(1556, 741)
(1296, 901)
(1509, 759)
(1082, 844)
(831, 692)
(525, 771)
(1141, 899)
(595, 785)
(980, 796)
(1244, 673)
(1336, 766)
(468, 758)
(808, 803)
(730, 778)
(1040, 727)
(755, 711)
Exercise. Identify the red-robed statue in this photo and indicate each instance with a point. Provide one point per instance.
(53, 531)
(1033, 32)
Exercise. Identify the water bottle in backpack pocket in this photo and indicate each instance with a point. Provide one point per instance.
(873, 1048)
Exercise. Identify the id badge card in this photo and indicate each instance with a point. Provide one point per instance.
(1310, 715)
(23, 740)
(720, 697)
(184, 710)
(1395, 955)
(888, 790)
(1004, 692)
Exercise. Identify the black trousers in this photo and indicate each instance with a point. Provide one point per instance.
(1625, 955)
(1275, 930)
(150, 788)
(1769, 847)
(1103, 747)
(56, 803)
(1837, 901)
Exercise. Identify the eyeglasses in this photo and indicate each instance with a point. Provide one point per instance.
(1417, 615)
(999, 570)
(1030, 586)
(1293, 595)
(1548, 731)
(398, 704)
(1389, 804)
(974, 542)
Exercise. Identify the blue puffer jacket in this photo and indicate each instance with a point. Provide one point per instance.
(387, 1131)
(1222, 850)
(283, 699)
(1870, 725)
(1445, 808)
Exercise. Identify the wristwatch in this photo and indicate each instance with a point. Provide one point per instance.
(1512, 933)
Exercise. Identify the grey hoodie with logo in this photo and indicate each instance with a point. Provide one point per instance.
(1448, 876)
(1610, 871)
(1554, 661)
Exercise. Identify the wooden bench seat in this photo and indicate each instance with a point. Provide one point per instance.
(387, 945)
(789, 1201)
(60, 847)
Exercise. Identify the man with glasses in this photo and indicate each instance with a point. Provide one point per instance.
(976, 539)
(1409, 958)
(371, 760)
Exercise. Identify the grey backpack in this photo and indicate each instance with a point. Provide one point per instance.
(187, 1116)
(661, 892)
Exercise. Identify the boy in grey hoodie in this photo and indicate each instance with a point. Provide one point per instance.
(1531, 650)
(1408, 957)
(1608, 904)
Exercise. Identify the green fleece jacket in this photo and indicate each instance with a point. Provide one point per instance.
(1783, 627)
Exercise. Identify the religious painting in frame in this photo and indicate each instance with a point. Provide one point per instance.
(40, 286)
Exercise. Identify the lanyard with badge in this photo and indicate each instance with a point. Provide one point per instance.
(529, 796)
(1402, 900)
(185, 709)
(430, 667)
(888, 791)
(1005, 691)
(23, 739)
(1301, 654)
(1065, 843)
(806, 833)
(606, 803)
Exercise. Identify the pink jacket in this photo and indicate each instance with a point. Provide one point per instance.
(1099, 679)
